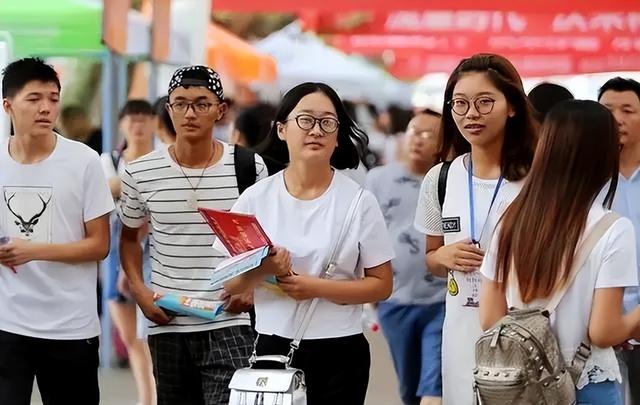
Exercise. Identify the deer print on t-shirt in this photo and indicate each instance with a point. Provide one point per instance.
(26, 212)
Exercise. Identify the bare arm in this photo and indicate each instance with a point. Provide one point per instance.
(608, 326)
(115, 185)
(493, 304)
(131, 255)
(92, 248)
(377, 285)
(131, 261)
(435, 267)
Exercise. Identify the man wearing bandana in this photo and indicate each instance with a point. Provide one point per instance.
(193, 358)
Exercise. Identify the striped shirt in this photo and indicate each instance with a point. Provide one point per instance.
(154, 189)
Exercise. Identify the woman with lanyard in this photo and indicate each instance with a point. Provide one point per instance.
(302, 209)
(488, 127)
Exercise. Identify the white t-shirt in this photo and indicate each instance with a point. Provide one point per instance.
(107, 165)
(307, 229)
(154, 189)
(50, 202)
(612, 263)
(462, 318)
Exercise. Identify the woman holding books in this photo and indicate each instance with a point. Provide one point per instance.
(302, 210)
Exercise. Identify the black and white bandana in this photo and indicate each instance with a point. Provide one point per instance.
(198, 75)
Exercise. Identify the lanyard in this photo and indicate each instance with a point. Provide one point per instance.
(472, 210)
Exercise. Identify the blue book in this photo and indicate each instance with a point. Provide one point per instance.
(237, 265)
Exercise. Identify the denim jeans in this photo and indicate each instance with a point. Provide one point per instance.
(607, 392)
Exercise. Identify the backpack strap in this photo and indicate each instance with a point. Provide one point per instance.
(116, 155)
(442, 182)
(244, 161)
(583, 253)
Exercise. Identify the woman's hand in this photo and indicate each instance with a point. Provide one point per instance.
(278, 263)
(299, 287)
(462, 256)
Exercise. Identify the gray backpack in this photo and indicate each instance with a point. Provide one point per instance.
(518, 360)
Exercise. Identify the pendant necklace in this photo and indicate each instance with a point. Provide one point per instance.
(192, 200)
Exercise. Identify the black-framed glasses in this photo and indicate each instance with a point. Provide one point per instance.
(307, 122)
(199, 107)
(484, 105)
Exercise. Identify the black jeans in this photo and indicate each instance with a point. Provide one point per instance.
(336, 369)
(66, 370)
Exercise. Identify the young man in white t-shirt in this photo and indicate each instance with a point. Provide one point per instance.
(55, 209)
(193, 358)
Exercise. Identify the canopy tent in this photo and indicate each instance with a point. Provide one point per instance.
(303, 57)
(235, 58)
(539, 6)
(74, 28)
(52, 28)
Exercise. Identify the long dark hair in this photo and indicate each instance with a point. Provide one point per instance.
(352, 140)
(577, 156)
(521, 130)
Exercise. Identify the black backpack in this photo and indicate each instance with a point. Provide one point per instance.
(244, 161)
(442, 182)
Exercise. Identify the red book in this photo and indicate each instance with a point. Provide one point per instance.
(238, 233)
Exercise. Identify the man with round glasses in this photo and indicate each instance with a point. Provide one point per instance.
(193, 358)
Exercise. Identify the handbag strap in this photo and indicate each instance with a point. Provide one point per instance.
(327, 270)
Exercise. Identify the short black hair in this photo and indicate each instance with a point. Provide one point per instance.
(254, 123)
(429, 111)
(400, 118)
(544, 96)
(17, 74)
(620, 84)
(134, 107)
(160, 111)
(72, 111)
(352, 141)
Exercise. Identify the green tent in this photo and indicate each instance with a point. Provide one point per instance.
(52, 27)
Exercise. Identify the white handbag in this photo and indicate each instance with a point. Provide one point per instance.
(254, 386)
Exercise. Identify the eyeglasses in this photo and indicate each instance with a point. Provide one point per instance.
(199, 107)
(422, 133)
(461, 106)
(307, 122)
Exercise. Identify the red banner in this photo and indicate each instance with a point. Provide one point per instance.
(475, 21)
(416, 65)
(413, 43)
(466, 44)
(332, 6)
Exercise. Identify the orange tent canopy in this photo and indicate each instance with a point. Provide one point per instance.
(235, 58)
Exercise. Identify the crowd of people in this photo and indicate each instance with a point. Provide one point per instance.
(460, 212)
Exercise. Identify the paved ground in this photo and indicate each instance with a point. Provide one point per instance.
(117, 385)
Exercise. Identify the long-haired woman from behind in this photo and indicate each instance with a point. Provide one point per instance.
(489, 128)
(536, 240)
